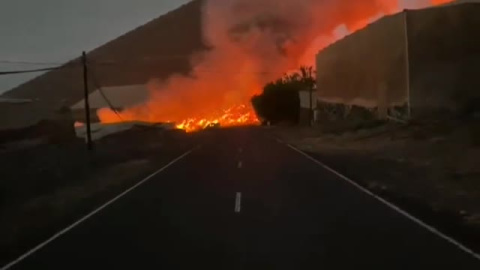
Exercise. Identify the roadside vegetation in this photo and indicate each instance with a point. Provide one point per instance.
(279, 102)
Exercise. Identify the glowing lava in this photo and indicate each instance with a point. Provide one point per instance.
(239, 115)
(235, 116)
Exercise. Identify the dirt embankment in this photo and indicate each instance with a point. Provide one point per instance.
(430, 169)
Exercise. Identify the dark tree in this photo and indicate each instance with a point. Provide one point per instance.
(279, 101)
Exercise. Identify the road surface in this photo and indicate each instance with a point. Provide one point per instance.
(243, 200)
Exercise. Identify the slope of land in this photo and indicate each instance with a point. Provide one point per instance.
(157, 49)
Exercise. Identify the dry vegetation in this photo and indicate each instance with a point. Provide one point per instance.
(46, 187)
(430, 168)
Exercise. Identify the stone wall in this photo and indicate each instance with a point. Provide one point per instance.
(370, 68)
(444, 46)
(367, 68)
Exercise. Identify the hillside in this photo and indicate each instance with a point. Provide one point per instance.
(155, 50)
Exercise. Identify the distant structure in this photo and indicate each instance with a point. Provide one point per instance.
(23, 109)
(413, 64)
(307, 106)
(24, 119)
(119, 97)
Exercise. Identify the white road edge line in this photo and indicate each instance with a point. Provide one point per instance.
(391, 205)
(240, 164)
(62, 232)
(238, 202)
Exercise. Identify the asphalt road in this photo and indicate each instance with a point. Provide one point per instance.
(243, 200)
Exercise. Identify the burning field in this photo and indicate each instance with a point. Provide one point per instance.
(252, 42)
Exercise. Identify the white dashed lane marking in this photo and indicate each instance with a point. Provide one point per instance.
(238, 202)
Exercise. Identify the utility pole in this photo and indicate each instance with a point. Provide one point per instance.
(87, 104)
(311, 106)
(311, 86)
(407, 64)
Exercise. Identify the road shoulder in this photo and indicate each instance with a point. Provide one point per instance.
(417, 174)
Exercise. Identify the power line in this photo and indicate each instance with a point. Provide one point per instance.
(125, 65)
(142, 61)
(27, 71)
(100, 90)
(29, 63)
(146, 59)
(62, 66)
(103, 62)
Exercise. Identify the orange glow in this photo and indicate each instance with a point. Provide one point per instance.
(440, 2)
(352, 17)
(253, 42)
(236, 116)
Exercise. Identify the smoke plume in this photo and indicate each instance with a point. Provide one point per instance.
(253, 42)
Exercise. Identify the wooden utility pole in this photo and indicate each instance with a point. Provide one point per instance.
(311, 86)
(87, 104)
(311, 106)
(407, 64)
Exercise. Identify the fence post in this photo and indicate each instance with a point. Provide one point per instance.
(382, 102)
(407, 65)
(310, 118)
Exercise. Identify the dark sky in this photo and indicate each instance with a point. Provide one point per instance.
(58, 30)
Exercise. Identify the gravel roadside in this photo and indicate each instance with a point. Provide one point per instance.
(47, 187)
(431, 170)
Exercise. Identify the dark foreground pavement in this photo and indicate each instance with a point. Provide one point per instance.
(294, 215)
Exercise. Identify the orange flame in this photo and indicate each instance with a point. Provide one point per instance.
(440, 2)
(235, 116)
(239, 115)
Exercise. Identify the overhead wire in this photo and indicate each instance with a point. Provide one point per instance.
(14, 62)
(22, 71)
(102, 93)
(122, 63)
(11, 72)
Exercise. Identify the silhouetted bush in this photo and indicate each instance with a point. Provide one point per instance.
(280, 101)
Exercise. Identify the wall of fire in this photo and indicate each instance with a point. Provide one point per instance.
(410, 64)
